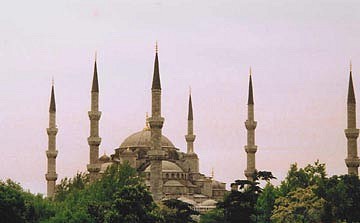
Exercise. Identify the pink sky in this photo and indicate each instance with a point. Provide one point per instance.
(299, 52)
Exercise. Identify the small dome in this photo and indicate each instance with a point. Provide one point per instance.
(173, 183)
(187, 200)
(167, 167)
(217, 185)
(104, 158)
(143, 139)
(209, 203)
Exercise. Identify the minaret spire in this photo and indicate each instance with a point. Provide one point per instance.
(156, 154)
(94, 115)
(156, 77)
(250, 125)
(351, 133)
(51, 153)
(191, 159)
(190, 137)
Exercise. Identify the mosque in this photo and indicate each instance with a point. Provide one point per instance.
(169, 172)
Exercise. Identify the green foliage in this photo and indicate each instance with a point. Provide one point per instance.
(176, 211)
(303, 177)
(120, 196)
(265, 202)
(300, 205)
(240, 205)
(214, 216)
(16, 205)
(70, 185)
(342, 196)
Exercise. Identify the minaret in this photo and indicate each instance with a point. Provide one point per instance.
(94, 140)
(250, 124)
(352, 133)
(51, 153)
(156, 154)
(190, 137)
(192, 160)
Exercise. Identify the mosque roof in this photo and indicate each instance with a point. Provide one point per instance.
(209, 203)
(143, 139)
(167, 167)
(187, 200)
(104, 158)
(173, 183)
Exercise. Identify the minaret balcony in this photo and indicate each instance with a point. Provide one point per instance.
(251, 149)
(94, 115)
(250, 124)
(352, 162)
(190, 138)
(94, 141)
(352, 133)
(156, 122)
(52, 176)
(51, 153)
(52, 131)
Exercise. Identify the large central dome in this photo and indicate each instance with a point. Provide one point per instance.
(143, 139)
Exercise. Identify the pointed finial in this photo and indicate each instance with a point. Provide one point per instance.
(52, 81)
(189, 90)
(95, 83)
(156, 76)
(350, 66)
(52, 107)
(147, 126)
(156, 47)
(250, 95)
(212, 173)
(190, 111)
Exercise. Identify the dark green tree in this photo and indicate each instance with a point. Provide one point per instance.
(240, 205)
(214, 216)
(265, 202)
(342, 198)
(176, 211)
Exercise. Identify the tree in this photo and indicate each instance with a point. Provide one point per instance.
(265, 202)
(303, 177)
(342, 198)
(16, 205)
(176, 211)
(214, 216)
(240, 205)
(301, 205)
(119, 196)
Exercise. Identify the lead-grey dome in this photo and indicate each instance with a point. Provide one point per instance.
(143, 139)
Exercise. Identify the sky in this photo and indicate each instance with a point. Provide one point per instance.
(299, 52)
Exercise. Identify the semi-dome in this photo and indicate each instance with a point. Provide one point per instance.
(143, 139)
(167, 167)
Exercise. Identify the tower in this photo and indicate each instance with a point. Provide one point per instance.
(51, 153)
(351, 133)
(94, 140)
(250, 125)
(156, 154)
(192, 159)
